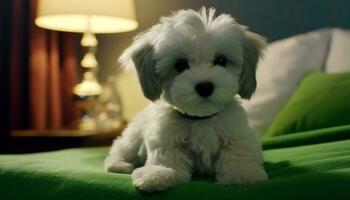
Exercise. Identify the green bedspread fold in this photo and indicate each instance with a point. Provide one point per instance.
(299, 170)
(308, 137)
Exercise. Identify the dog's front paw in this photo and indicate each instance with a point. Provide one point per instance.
(118, 166)
(242, 175)
(154, 178)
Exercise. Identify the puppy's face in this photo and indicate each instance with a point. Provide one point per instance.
(195, 61)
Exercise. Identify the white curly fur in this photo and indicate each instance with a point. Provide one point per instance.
(161, 147)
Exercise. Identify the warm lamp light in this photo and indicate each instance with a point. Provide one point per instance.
(96, 16)
(89, 86)
(88, 17)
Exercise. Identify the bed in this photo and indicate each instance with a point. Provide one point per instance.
(308, 165)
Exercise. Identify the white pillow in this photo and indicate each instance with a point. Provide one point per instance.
(339, 52)
(284, 64)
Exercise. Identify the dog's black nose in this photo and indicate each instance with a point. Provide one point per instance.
(205, 89)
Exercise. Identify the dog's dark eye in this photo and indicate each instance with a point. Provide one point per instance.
(181, 64)
(220, 60)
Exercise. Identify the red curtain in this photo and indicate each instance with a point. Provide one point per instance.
(43, 73)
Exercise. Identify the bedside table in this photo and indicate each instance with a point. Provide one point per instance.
(30, 141)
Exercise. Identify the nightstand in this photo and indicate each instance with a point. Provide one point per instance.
(29, 141)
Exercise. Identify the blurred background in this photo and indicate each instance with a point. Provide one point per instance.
(40, 65)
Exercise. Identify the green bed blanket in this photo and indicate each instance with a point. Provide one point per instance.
(309, 165)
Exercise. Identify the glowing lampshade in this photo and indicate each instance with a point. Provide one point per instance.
(96, 16)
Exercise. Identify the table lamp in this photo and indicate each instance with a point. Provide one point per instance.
(88, 17)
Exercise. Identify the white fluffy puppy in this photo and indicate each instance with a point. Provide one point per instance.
(193, 64)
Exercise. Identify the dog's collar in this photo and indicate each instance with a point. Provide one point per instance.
(192, 117)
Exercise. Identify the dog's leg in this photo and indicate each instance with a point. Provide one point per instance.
(240, 163)
(165, 168)
(124, 151)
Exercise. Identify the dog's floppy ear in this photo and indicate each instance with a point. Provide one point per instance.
(253, 44)
(141, 55)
